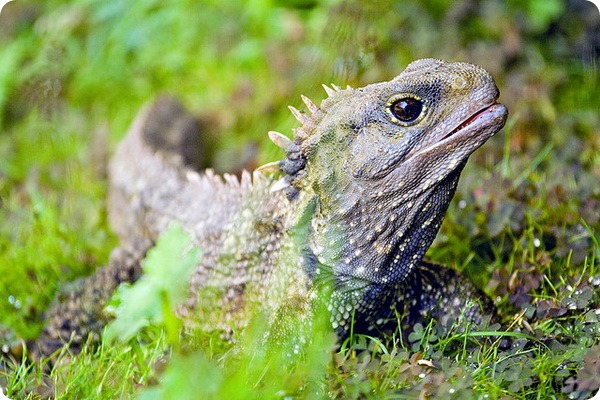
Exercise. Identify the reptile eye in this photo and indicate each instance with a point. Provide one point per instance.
(407, 109)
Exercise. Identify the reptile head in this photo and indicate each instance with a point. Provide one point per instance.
(382, 163)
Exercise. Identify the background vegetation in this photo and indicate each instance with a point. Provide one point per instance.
(524, 224)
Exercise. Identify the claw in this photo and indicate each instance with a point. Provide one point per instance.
(336, 87)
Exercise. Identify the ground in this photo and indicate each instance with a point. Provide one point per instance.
(524, 224)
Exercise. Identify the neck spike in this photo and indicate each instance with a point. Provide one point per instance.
(280, 140)
(301, 117)
(330, 92)
(312, 107)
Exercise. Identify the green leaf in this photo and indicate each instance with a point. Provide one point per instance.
(172, 262)
(137, 306)
(152, 299)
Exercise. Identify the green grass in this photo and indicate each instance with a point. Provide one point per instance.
(524, 224)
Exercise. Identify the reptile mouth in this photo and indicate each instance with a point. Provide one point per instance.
(479, 127)
(471, 120)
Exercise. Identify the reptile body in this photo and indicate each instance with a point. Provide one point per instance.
(361, 194)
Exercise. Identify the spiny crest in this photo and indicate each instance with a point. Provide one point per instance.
(334, 89)
(312, 107)
(272, 167)
(330, 92)
(300, 116)
(280, 140)
(295, 160)
(309, 122)
(281, 184)
(209, 181)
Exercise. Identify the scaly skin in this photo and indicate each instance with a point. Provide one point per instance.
(367, 181)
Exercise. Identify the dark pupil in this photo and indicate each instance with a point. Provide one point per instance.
(407, 109)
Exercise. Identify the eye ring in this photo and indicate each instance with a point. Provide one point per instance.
(406, 109)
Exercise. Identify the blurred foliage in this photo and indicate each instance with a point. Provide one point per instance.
(154, 297)
(524, 224)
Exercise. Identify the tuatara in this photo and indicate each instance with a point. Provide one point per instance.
(354, 206)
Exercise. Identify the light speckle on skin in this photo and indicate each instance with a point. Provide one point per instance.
(459, 83)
